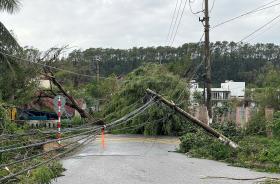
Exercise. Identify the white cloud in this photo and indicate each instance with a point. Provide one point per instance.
(128, 23)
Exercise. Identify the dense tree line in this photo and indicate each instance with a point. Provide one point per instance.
(230, 61)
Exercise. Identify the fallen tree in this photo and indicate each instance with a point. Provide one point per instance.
(50, 56)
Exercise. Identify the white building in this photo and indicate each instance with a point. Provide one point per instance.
(228, 90)
(237, 89)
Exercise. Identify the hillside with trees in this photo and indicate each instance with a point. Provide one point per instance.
(230, 61)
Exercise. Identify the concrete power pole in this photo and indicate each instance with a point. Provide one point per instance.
(97, 60)
(207, 61)
(97, 70)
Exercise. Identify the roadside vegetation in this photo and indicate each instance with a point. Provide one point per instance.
(125, 74)
(259, 141)
(41, 175)
(257, 152)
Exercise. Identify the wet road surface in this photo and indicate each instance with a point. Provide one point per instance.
(145, 160)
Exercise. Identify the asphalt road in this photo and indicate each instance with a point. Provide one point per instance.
(146, 160)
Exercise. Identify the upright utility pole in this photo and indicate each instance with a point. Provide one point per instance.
(97, 70)
(207, 61)
(97, 60)
(75, 63)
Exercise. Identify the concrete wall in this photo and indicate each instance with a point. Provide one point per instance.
(240, 115)
(201, 113)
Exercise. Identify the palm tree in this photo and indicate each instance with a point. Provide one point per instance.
(8, 44)
(9, 5)
(7, 41)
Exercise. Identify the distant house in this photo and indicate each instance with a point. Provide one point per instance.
(227, 91)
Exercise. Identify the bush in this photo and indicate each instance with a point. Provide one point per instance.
(276, 125)
(257, 125)
(44, 174)
(76, 121)
(202, 145)
(261, 153)
(228, 129)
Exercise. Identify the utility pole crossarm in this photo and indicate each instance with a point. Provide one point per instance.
(194, 120)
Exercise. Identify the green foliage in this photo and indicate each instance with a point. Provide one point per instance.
(76, 121)
(267, 93)
(254, 152)
(73, 122)
(260, 152)
(221, 111)
(198, 97)
(238, 62)
(103, 88)
(199, 144)
(5, 124)
(17, 82)
(276, 125)
(229, 129)
(131, 94)
(44, 174)
(179, 66)
(257, 124)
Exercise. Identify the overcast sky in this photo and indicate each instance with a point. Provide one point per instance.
(128, 23)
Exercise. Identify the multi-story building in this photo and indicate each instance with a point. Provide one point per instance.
(227, 91)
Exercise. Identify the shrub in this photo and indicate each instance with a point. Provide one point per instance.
(76, 121)
(257, 125)
(254, 152)
(44, 174)
(276, 125)
(200, 144)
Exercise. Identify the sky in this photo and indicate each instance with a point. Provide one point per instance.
(82, 24)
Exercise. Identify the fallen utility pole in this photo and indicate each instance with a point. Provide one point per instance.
(194, 120)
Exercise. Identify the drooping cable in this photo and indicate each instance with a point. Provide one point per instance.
(260, 8)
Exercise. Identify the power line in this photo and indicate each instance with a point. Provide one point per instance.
(48, 66)
(269, 28)
(46, 161)
(175, 23)
(182, 13)
(172, 20)
(260, 28)
(114, 123)
(140, 125)
(125, 118)
(213, 4)
(133, 113)
(191, 75)
(260, 8)
(195, 13)
(43, 153)
(41, 143)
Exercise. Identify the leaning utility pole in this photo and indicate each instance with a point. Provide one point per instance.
(207, 60)
(192, 119)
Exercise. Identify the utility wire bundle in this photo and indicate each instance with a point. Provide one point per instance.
(87, 135)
